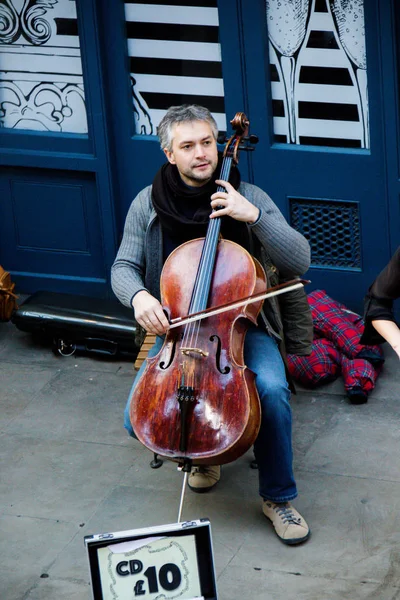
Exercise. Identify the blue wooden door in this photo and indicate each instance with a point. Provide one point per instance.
(321, 154)
(56, 216)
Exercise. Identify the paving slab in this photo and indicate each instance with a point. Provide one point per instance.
(28, 546)
(264, 584)
(82, 405)
(363, 441)
(46, 478)
(313, 414)
(19, 386)
(59, 589)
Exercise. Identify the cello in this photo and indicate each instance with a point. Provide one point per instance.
(196, 401)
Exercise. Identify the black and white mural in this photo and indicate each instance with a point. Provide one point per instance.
(318, 72)
(175, 58)
(41, 81)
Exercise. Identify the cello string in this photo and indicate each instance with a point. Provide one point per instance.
(196, 296)
(200, 296)
(200, 293)
(192, 333)
(200, 281)
(215, 229)
(202, 286)
(213, 241)
(198, 284)
(207, 263)
(211, 244)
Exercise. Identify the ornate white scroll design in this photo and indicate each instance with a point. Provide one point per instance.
(142, 117)
(34, 27)
(46, 106)
(29, 22)
(41, 81)
(9, 23)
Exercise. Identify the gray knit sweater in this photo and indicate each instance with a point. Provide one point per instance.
(139, 260)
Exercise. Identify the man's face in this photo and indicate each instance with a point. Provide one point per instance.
(194, 152)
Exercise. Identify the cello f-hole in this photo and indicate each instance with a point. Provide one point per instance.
(163, 365)
(225, 370)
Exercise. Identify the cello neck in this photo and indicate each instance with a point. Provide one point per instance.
(202, 285)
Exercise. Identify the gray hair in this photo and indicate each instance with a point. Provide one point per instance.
(183, 114)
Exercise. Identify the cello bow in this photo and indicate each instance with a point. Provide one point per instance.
(276, 290)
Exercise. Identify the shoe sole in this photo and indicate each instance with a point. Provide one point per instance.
(202, 490)
(296, 541)
(291, 542)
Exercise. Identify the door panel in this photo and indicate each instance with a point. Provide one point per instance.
(57, 227)
(324, 177)
(51, 220)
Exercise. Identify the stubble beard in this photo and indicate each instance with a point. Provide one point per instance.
(201, 178)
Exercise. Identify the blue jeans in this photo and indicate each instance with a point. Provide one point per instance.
(273, 446)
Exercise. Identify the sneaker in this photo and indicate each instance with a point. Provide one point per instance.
(203, 478)
(289, 525)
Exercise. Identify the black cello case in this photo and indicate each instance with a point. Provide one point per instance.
(80, 324)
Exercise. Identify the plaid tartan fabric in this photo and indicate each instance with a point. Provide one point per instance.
(336, 350)
(321, 366)
(358, 373)
(343, 327)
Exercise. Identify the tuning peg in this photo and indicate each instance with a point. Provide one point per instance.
(221, 139)
(246, 148)
(253, 139)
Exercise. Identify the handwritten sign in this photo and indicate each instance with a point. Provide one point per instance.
(162, 568)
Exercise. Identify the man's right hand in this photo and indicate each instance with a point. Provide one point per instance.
(149, 313)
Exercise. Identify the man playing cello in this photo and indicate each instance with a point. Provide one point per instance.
(176, 208)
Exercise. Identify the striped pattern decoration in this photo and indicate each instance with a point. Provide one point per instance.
(319, 94)
(175, 58)
(41, 80)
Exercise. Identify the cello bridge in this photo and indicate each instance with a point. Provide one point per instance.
(191, 351)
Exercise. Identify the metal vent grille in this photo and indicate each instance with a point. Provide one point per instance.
(332, 229)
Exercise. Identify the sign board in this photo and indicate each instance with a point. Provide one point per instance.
(155, 563)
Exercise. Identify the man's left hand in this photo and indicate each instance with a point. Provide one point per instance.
(233, 204)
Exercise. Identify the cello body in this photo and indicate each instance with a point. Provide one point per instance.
(196, 400)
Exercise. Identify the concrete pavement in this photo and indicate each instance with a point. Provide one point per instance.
(68, 470)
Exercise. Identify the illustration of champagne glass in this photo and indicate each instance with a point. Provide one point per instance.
(286, 22)
(349, 18)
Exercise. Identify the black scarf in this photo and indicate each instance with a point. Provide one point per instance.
(184, 211)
